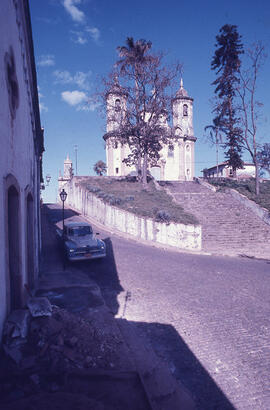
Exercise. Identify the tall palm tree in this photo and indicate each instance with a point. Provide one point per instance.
(134, 54)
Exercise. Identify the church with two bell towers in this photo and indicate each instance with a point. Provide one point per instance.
(177, 159)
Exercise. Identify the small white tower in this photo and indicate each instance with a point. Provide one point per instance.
(183, 127)
(68, 168)
(68, 173)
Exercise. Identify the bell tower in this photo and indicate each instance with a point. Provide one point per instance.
(183, 127)
(115, 152)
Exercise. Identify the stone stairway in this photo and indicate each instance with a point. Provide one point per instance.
(228, 227)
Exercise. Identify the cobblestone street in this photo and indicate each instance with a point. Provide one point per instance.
(207, 316)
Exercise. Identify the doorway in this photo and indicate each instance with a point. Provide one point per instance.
(14, 268)
(30, 241)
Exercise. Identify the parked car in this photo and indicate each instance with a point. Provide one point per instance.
(80, 242)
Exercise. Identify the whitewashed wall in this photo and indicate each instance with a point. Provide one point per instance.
(181, 236)
(17, 152)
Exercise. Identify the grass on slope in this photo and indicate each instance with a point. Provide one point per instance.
(131, 196)
(247, 188)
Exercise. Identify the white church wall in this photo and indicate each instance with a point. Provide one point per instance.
(188, 161)
(173, 169)
(178, 235)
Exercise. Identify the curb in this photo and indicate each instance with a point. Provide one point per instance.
(164, 392)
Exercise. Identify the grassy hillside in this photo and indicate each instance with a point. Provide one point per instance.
(131, 196)
(247, 188)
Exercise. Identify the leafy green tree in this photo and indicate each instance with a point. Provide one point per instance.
(226, 62)
(100, 168)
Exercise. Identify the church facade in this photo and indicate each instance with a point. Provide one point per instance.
(177, 159)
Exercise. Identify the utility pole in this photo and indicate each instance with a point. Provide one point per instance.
(76, 164)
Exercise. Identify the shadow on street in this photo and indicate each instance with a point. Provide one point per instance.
(166, 342)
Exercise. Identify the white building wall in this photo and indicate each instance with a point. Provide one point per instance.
(18, 161)
(248, 170)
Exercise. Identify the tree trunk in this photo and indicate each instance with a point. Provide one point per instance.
(257, 181)
(144, 171)
(217, 155)
(139, 168)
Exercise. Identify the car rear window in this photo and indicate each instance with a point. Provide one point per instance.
(80, 231)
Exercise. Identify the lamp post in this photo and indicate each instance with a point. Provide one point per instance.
(63, 196)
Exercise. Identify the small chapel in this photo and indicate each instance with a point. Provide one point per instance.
(177, 159)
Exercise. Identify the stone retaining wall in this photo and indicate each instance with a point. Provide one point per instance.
(174, 234)
(261, 212)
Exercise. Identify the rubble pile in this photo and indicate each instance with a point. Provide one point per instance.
(45, 340)
(54, 338)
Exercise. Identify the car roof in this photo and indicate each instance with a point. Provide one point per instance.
(74, 224)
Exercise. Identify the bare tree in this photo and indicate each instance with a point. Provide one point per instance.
(134, 55)
(142, 119)
(249, 106)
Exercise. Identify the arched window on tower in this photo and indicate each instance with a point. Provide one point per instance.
(171, 151)
(117, 105)
(185, 110)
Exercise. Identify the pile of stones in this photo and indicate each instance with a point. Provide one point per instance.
(43, 343)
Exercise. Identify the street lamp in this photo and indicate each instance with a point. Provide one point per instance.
(63, 196)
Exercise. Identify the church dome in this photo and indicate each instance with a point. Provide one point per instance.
(116, 88)
(181, 93)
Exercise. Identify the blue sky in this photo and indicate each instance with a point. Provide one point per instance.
(75, 44)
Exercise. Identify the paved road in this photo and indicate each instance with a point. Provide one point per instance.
(208, 317)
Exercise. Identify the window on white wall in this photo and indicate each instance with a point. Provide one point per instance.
(185, 110)
(171, 151)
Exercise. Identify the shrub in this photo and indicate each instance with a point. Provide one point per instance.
(101, 194)
(129, 198)
(115, 201)
(163, 216)
(93, 189)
